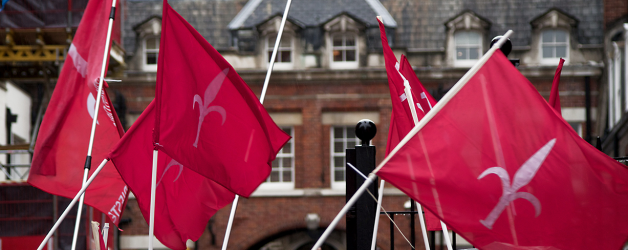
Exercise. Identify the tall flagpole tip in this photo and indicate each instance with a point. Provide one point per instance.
(380, 19)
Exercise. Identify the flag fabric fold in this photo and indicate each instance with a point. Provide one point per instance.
(63, 138)
(207, 117)
(401, 117)
(506, 172)
(184, 199)
(554, 99)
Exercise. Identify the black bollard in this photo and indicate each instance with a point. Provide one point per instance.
(361, 216)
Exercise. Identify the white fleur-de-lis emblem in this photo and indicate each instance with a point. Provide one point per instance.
(203, 103)
(172, 163)
(523, 176)
(91, 106)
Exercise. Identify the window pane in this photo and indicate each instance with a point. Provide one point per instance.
(286, 42)
(287, 176)
(461, 38)
(274, 176)
(338, 147)
(350, 56)
(351, 142)
(561, 51)
(548, 36)
(287, 149)
(339, 161)
(270, 55)
(338, 41)
(151, 58)
(350, 133)
(474, 38)
(285, 56)
(339, 175)
(338, 132)
(561, 36)
(151, 43)
(548, 51)
(287, 163)
(461, 53)
(474, 53)
(350, 41)
(276, 164)
(337, 56)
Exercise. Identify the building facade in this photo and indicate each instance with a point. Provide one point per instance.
(329, 74)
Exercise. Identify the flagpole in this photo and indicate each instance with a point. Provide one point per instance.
(153, 188)
(88, 160)
(439, 105)
(234, 205)
(67, 210)
(379, 208)
(410, 98)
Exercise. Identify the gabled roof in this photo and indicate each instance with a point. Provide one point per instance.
(311, 12)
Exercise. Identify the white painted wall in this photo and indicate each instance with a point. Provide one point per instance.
(20, 103)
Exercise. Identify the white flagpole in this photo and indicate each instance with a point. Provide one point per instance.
(153, 188)
(234, 205)
(67, 210)
(379, 208)
(88, 160)
(451, 93)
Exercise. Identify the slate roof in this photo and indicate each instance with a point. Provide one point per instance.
(421, 24)
(311, 13)
(208, 17)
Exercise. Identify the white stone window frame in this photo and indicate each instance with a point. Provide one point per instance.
(145, 51)
(283, 120)
(468, 46)
(553, 60)
(343, 119)
(283, 185)
(270, 45)
(344, 64)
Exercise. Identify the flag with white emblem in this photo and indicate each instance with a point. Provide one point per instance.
(207, 117)
(504, 171)
(61, 147)
(184, 199)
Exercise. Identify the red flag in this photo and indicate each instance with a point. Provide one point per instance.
(505, 172)
(401, 110)
(207, 117)
(554, 99)
(184, 199)
(63, 138)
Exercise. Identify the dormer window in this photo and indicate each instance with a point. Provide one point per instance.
(151, 52)
(344, 48)
(554, 44)
(468, 47)
(465, 39)
(284, 57)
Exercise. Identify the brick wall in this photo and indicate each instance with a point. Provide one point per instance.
(613, 10)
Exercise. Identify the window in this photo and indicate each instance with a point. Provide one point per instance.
(468, 48)
(151, 51)
(344, 51)
(284, 52)
(554, 44)
(282, 172)
(342, 137)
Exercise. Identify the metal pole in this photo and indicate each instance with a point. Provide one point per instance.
(67, 210)
(261, 100)
(88, 160)
(153, 188)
